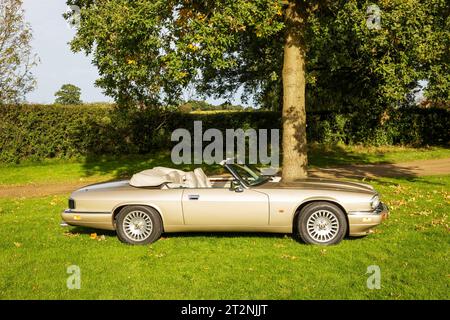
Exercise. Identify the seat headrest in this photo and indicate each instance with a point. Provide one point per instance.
(202, 178)
(191, 180)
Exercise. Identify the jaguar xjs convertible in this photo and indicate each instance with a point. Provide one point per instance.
(164, 200)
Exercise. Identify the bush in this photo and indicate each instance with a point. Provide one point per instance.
(38, 132)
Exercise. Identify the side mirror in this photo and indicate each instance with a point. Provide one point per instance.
(236, 186)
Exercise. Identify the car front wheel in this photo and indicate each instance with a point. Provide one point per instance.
(138, 225)
(322, 223)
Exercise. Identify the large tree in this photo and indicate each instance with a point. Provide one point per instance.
(148, 51)
(69, 94)
(16, 57)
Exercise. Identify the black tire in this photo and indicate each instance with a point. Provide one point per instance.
(138, 225)
(321, 223)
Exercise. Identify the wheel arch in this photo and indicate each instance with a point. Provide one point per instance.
(119, 207)
(300, 208)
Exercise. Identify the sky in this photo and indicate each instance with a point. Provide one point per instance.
(58, 64)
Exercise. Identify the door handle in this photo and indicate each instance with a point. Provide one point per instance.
(193, 197)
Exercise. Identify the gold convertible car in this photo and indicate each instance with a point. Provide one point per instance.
(168, 200)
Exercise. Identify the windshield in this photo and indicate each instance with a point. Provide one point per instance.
(250, 176)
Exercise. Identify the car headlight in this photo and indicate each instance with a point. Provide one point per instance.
(375, 202)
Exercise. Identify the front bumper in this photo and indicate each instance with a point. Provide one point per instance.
(362, 223)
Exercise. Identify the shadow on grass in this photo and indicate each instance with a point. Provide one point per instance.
(124, 166)
(88, 231)
(326, 161)
(325, 155)
(374, 173)
(217, 235)
(212, 235)
(226, 235)
(337, 162)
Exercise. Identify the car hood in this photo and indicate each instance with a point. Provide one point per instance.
(316, 183)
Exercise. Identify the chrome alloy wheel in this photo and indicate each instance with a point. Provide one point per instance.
(137, 225)
(322, 225)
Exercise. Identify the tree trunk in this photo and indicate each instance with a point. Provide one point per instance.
(294, 113)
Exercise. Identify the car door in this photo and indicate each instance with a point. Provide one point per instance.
(225, 207)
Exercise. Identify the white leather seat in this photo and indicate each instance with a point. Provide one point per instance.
(203, 181)
(176, 177)
(157, 176)
(165, 170)
(191, 180)
(173, 177)
(148, 178)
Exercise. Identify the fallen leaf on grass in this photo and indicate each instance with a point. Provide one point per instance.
(419, 227)
(397, 203)
(398, 189)
(323, 252)
(439, 222)
(94, 236)
(70, 234)
(17, 244)
(425, 213)
(286, 256)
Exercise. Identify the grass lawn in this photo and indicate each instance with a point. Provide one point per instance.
(411, 248)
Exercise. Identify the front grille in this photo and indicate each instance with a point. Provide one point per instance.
(71, 204)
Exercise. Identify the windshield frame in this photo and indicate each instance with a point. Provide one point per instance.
(260, 180)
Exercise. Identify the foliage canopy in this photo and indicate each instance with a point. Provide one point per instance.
(148, 51)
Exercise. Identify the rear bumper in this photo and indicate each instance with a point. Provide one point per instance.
(97, 220)
(362, 223)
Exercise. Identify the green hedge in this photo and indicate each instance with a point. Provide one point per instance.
(38, 132)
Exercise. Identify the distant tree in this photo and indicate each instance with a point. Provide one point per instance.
(68, 94)
(199, 105)
(185, 108)
(229, 106)
(16, 58)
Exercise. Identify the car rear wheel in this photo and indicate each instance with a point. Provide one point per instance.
(138, 225)
(322, 223)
